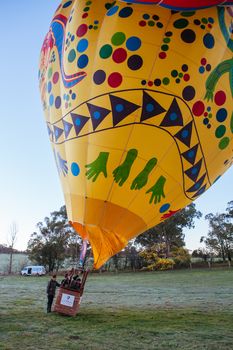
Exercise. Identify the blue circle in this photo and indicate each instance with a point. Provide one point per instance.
(191, 154)
(194, 171)
(164, 208)
(75, 169)
(67, 128)
(197, 185)
(208, 109)
(77, 121)
(201, 69)
(73, 96)
(206, 121)
(112, 10)
(51, 99)
(221, 115)
(49, 86)
(119, 107)
(184, 134)
(133, 43)
(173, 116)
(146, 16)
(150, 107)
(72, 38)
(83, 61)
(125, 12)
(96, 115)
(67, 4)
(82, 45)
(209, 41)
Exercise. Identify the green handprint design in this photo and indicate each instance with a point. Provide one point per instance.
(222, 68)
(142, 178)
(121, 173)
(225, 67)
(98, 166)
(157, 190)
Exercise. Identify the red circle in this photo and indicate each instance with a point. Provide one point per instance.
(115, 79)
(186, 77)
(85, 15)
(119, 55)
(198, 108)
(220, 98)
(203, 61)
(150, 83)
(162, 55)
(142, 23)
(55, 77)
(82, 29)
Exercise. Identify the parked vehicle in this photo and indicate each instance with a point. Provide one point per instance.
(33, 271)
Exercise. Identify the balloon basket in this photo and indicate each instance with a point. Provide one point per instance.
(68, 300)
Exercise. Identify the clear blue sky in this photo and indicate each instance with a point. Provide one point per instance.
(29, 184)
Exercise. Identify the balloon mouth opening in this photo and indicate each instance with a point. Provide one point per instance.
(107, 234)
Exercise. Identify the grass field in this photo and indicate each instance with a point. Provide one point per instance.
(189, 309)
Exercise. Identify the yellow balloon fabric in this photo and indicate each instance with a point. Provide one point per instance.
(138, 105)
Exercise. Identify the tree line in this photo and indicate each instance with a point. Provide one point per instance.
(161, 247)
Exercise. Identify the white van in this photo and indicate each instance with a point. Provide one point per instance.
(33, 271)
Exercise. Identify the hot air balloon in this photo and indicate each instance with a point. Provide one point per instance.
(138, 106)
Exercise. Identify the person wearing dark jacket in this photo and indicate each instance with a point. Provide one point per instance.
(51, 290)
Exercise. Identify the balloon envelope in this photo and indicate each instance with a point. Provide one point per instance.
(138, 105)
(180, 5)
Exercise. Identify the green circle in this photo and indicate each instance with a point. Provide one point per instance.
(166, 40)
(204, 20)
(50, 72)
(105, 51)
(202, 26)
(86, 9)
(88, 3)
(164, 47)
(210, 115)
(220, 131)
(181, 23)
(180, 75)
(174, 73)
(95, 27)
(224, 143)
(151, 23)
(118, 38)
(71, 55)
(166, 81)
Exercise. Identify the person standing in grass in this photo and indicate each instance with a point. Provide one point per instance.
(51, 291)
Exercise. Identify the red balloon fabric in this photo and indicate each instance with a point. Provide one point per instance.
(181, 5)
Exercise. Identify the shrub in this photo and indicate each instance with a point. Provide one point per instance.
(164, 264)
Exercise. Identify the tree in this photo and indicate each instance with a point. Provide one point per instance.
(12, 239)
(170, 232)
(181, 257)
(49, 246)
(202, 253)
(220, 235)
